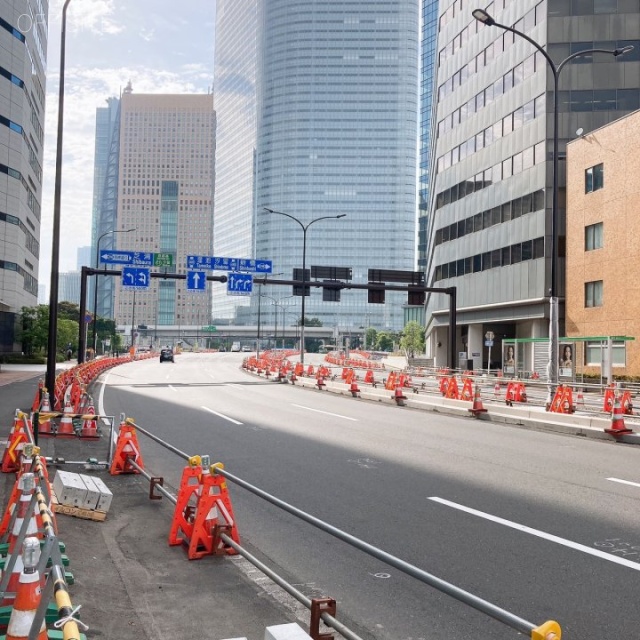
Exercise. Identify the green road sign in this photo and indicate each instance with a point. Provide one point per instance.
(210, 328)
(163, 259)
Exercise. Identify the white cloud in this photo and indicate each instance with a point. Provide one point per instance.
(105, 48)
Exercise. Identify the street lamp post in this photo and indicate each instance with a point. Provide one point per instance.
(304, 227)
(95, 284)
(55, 244)
(552, 367)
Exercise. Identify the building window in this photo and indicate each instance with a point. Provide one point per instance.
(593, 236)
(595, 353)
(593, 293)
(594, 178)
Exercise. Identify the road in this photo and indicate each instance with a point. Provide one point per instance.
(543, 525)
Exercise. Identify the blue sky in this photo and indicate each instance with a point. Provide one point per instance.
(162, 46)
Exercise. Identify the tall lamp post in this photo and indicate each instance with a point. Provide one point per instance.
(95, 285)
(55, 243)
(304, 227)
(554, 329)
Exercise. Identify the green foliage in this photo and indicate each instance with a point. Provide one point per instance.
(384, 341)
(371, 337)
(67, 334)
(68, 311)
(35, 329)
(412, 340)
(310, 322)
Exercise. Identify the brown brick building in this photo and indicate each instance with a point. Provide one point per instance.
(603, 244)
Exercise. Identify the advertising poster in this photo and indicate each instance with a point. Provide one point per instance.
(566, 360)
(509, 359)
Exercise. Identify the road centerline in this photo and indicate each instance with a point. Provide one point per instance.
(539, 534)
(327, 413)
(221, 415)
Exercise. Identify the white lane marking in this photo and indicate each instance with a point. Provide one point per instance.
(327, 413)
(221, 415)
(633, 484)
(235, 386)
(172, 388)
(101, 396)
(540, 534)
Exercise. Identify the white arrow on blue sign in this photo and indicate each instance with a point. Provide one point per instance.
(135, 278)
(229, 264)
(239, 284)
(196, 281)
(126, 257)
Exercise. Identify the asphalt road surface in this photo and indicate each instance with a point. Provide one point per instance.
(542, 525)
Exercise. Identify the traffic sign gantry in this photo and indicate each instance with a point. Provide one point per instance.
(163, 260)
(216, 263)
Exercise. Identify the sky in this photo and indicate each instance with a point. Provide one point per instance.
(161, 46)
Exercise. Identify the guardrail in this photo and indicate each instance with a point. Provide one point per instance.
(549, 630)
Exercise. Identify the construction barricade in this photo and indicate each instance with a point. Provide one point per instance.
(562, 401)
(515, 392)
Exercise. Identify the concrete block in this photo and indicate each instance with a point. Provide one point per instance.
(285, 632)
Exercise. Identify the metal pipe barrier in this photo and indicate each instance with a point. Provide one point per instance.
(549, 630)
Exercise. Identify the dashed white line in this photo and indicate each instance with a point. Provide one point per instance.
(221, 415)
(633, 484)
(327, 413)
(172, 387)
(540, 534)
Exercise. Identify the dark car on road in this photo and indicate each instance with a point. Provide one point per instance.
(166, 354)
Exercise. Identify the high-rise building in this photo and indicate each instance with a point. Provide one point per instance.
(165, 193)
(69, 287)
(84, 257)
(317, 110)
(23, 46)
(490, 228)
(105, 200)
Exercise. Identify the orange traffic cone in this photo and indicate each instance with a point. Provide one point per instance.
(45, 427)
(477, 407)
(355, 391)
(580, 400)
(496, 390)
(89, 429)
(127, 448)
(320, 382)
(65, 428)
(15, 443)
(618, 427)
(28, 595)
(398, 396)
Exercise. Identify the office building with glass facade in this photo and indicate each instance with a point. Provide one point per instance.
(165, 193)
(334, 86)
(23, 63)
(490, 233)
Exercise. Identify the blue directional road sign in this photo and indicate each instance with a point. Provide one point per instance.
(135, 278)
(142, 258)
(196, 281)
(229, 264)
(239, 284)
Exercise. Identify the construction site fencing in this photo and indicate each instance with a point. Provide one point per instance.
(549, 630)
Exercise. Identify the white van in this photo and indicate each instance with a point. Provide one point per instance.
(235, 346)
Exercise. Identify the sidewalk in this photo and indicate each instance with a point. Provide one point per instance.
(129, 581)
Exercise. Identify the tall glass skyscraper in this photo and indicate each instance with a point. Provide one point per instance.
(336, 104)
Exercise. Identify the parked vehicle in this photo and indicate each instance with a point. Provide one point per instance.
(235, 347)
(247, 349)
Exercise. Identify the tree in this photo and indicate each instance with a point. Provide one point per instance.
(312, 344)
(412, 340)
(384, 341)
(370, 338)
(35, 328)
(68, 311)
(310, 322)
(67, 334)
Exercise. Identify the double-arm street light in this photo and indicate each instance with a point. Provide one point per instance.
(304, 227)
(552, 367)
(95, 285)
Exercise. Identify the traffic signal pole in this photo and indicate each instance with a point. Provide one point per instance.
(89, 271)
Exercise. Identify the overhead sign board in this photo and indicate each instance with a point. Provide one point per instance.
(141, 258)
(239, 284)
(163, 260)
(135, 278)
(216, 263)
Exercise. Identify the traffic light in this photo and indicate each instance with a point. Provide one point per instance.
(376, 296)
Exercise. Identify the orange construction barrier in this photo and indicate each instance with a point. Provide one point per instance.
(467, 390)
(355, 391)
(15, 443)
(627, 404)
(182, 523)
(89, 429)
(477, 407)
(515, 393)
(618, 427)
(28, 594)
(320, 382)
(452, 389)
(391, 381)
(368, 377)
(45, 427)
(496, 390)
(609, 397)
(562, 400)
(127, 448)
(310, 371)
